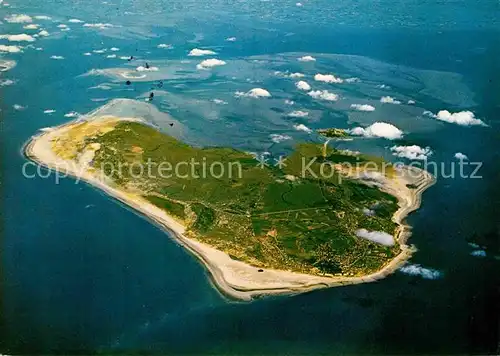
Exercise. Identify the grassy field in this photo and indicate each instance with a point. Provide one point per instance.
(267, 216)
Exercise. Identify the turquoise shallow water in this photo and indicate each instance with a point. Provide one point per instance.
(81, 273)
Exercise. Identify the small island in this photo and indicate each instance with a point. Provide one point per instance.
(333, 133)
(258, 228)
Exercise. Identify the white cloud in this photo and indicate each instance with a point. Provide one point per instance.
(210, 63)
(463, 118)
(378, 129)
(62, 25)
(411, 102)
(411, 152)
(15, 18)
(324, 95)
(101, 26)
(298, 113)
(418, 270)
(43, 17)
(231, 39)
(165, 46)
(111, 56)
(100, 50)
(10, 49)
(368, 212)
(144, 69)
(389, 100)
(302, 85)
(114, 49)
(352, 80)
(277, 138)
(379, 237)
(6, 82)
(43, 33)
(299, 4)
(220, 102)
(302, 127)
(373, 176)
(327, 78)
(18, 38)
(254, 93)
(72, 114)
(478, 253)
(31, 26)
(460, 156)
(18, 107)
(49, 111)
(362, 107)
(307, 59)
(56, 57)
(87, 54)
(289, 75)
(196, 52)
(75, 21)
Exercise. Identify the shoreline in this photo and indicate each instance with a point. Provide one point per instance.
(232, 278)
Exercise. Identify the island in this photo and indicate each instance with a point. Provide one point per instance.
(259, 228)
(333, 133)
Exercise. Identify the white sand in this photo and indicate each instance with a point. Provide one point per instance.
(234, 278)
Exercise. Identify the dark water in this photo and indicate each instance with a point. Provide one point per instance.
(83, 274)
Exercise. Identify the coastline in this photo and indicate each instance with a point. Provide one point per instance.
(233, 278)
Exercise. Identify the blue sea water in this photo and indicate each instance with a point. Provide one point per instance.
(81, 273)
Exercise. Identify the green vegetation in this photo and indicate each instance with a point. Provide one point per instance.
(205, 217)
(333, 132)
(173, 208)
(265, 216)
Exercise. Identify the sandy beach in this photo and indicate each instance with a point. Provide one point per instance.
(233, 278)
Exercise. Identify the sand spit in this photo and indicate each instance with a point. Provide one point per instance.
(236, 279)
